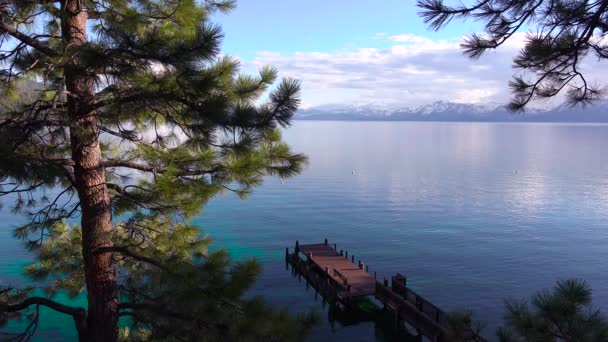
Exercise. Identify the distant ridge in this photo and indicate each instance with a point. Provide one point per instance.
(459, 112)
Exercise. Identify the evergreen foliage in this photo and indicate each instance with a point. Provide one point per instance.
(564, 314)
(563, 33)
(461, 327)
(126, 109)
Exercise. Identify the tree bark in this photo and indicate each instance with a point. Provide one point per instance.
(89, 180)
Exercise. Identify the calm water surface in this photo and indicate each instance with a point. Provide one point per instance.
(470, 212)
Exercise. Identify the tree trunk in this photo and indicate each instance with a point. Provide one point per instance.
(89, 180)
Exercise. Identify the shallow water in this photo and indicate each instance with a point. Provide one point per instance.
(470, 212)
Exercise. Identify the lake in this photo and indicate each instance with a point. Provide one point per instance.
(471, 212)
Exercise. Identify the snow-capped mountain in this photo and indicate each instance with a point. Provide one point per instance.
(451, 111)
(350, 109)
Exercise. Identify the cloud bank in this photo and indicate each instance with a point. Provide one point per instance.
(411, 70)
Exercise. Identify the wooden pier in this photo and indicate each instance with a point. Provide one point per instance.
(339, 279)
(354, 280)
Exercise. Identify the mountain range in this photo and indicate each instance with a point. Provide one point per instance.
(451, 111)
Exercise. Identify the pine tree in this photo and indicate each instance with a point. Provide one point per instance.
(563, 33)
(565, 314)
(124, 115)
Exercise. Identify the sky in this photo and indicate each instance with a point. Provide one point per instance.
(364, 52)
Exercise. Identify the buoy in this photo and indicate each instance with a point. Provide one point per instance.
(282, 182)
(353, 172)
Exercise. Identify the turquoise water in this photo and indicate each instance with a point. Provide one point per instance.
(470, 212)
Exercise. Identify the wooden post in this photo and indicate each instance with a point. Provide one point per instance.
(341, 252)
(286, 253)
(375, 276)
(352, 259)
(326, 270)
(346, 253)
(367, 268)
(397, 316)
(325, 242)
(297, 247)
(385, 282)
(360, 265)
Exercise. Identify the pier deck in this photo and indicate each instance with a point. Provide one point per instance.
(355, 281)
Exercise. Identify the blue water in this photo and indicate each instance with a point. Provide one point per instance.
(470, 212)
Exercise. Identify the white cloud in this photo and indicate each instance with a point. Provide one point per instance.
(474, 95)
(305, 105)
(412, 70)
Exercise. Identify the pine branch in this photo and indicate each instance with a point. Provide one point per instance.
(148, 205)
(474, 46)
(130, 165)
(130, 135)
(153, 169)
(224, 6)
(36, 44)
(436, 14)
(565, 34)
(68, 310)
(17, 188)
(126, 252)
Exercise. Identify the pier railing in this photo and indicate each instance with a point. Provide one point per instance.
(343, 278)
(319, 281)
(399, 286)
